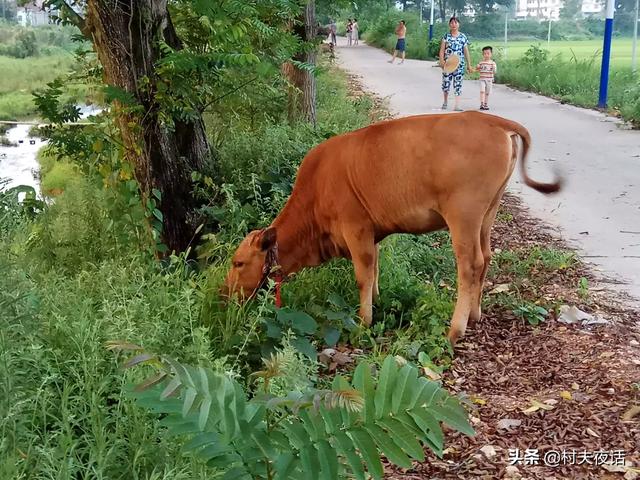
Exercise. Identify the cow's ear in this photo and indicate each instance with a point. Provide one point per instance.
(268, 238)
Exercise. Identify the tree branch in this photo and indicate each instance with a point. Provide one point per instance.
(69, 15)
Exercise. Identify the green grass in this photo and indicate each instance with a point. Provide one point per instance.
(64, 407)
(25, 75)
(583, 49)
(575, 81)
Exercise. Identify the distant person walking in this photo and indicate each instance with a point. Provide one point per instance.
(401, 33)
(454, 43)
(333, 29)
(349, 32)
(354, 31)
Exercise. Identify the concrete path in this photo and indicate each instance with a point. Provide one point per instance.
(598, 212)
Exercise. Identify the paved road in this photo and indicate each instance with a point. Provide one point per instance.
(598, 212)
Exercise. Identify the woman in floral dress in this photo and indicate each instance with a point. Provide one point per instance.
(454, 43)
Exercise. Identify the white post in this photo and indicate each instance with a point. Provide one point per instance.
(549, 32)
(634, 58)
(506, 27)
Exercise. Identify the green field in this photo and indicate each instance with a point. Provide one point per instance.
(29, 59)
(620, 50)
(23, 76)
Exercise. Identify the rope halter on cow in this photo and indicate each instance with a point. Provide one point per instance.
(272, 268)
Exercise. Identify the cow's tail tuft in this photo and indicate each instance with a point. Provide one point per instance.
(518, 130)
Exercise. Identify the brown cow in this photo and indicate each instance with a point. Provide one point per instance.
(411, 175)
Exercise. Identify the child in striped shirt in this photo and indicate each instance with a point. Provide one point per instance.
(487, 69)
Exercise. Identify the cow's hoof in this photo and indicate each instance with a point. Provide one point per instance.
(453, 337)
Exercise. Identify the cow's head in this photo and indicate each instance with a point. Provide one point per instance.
(251, 264)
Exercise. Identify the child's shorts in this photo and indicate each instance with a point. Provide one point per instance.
(485, 86)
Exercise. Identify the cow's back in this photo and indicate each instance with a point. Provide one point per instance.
(399, 174)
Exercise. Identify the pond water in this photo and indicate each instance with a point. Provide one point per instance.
(18, 164)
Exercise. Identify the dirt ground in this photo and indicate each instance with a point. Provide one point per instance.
(586, 381)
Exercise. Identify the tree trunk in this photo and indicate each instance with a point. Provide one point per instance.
(126, 36)
(302, 90)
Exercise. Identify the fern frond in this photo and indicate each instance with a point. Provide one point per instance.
(337, 433)
(273, 366)
(349, 399)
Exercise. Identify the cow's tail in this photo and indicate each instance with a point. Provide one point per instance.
(517, 130)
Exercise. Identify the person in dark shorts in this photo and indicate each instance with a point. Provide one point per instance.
(401, 32)
(333, 28)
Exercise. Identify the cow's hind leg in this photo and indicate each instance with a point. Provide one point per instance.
(485, 245)
(376, 266)
(465, 236)
(363, 255)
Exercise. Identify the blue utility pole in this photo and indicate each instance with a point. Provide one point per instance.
(606, 54)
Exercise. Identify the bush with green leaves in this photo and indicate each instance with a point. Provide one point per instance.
(257, 164)
(532, 313)
(85, 224)
(24, 45)
(18, 205)
(337, 433)
(328, 326)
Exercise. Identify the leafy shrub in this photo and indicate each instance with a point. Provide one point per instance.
(260, 169)
(331, 322)
(534, 314)
(433, 48)
(24, 45)
(58, 178)
(84, 225)
(535, 56)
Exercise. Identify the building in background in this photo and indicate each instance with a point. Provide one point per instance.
(538, 9)
(33, 14)
(592, 7)
(550, 9)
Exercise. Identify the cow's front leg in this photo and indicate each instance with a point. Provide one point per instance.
(363, 255)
